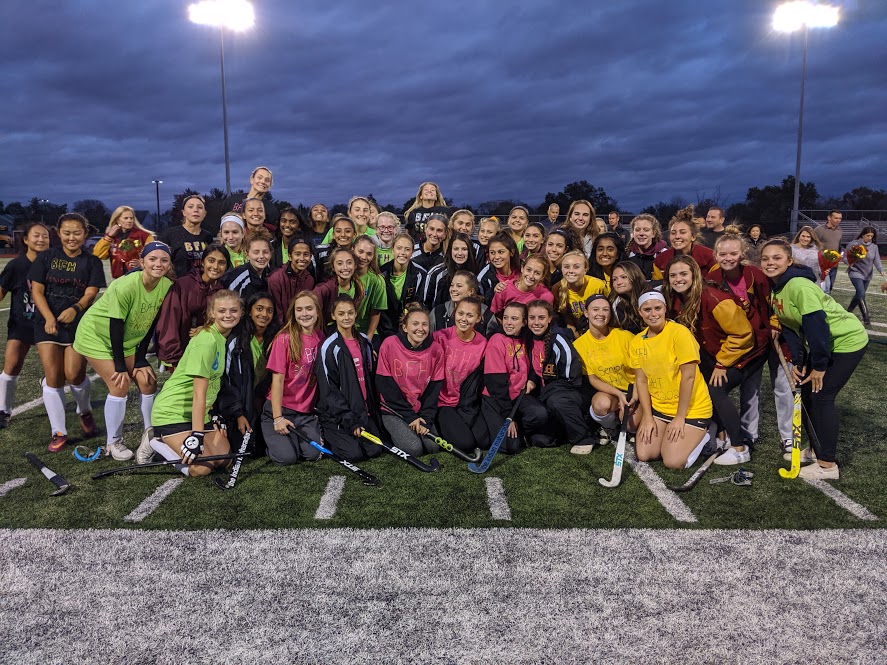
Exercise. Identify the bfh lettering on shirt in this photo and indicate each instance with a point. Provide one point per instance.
(63, 265)
(411, 369)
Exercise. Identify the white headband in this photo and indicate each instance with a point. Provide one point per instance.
(232, 218)
(651, 295)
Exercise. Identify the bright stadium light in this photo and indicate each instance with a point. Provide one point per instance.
(236, 15)
(792, 17)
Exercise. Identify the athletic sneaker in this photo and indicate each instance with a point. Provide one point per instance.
(816, 472)
(607, 436)
(4, 419)
(787, 448)
(807, 455)
(87, 422)
(118, 451)
(733, 456)
(582, 450)
(58, 442)
(145, 452)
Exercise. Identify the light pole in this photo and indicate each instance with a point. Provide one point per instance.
(236, 15)
(157, 184)
(791, 17)
(42, 203)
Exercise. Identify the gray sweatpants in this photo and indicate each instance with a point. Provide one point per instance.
(406, 439)
(293, 447)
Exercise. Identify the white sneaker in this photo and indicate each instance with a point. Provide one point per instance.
(145, 452)
(118, 451)
(787, 448)
(733, 456)
(816, 472)
(582, 450)
(606, 437)
(807, 455)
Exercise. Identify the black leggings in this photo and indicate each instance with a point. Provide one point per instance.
(726, 414)
(566, 415)
(532, 420)
(821, 406)
(461, 430)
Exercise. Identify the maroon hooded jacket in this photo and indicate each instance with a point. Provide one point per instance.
(283, 285)
(184, 308)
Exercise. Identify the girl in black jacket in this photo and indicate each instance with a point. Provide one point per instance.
(252, 276)
(246, 381)
(344, 369)
(404, 281)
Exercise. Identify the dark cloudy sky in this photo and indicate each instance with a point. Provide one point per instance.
(491, 99)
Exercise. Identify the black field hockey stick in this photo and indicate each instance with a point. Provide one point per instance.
(796, 417)
(427, 468)
(61, 484)
(367, 478)
(692, 480)
(619, 458)
(168, 462)
(232, 479)
(443, 443)
(497, 442)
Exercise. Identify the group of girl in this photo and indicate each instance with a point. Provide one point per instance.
(447, 337)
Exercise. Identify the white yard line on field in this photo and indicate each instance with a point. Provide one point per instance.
(669, 500)
(330, 499)
(150, 504)
(27, 406)
(842, 500)
(499, 508)
(10, 485)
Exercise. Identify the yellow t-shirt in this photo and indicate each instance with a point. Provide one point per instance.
(607, 358)
(576, 299)
(661, 358)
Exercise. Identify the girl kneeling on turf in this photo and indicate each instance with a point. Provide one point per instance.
(605, 361)
(64, 283)
(674, 402)
(409, 379)
(114, 335)
(458, 407)
(181, 414)
(288, 420)
(344, 372)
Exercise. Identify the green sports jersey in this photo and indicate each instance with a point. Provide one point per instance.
(384, 254)
(328, 238)
(127, 299)
(204, 357)
(375, 297)
(801, 296)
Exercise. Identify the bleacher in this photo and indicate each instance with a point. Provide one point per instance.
(852, 223)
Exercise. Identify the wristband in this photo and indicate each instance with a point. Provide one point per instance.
(78, 307)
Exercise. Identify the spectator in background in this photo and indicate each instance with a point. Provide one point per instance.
(554, 210)
(862, 266)
(714, 227)
(807, 251)
(259, 187)
(320, 223)
(616, 227)
(123, 241)
(755, 238)
(429, 201)
(829, 236)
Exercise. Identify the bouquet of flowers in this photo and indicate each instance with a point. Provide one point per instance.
(856, 253)
(832, 258)
(128, 250)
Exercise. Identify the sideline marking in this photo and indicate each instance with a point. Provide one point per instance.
(330, 499)
(669, 500)
(496, 498)
(27, 406)
(150, 504)
(10, 485)
(842, 500)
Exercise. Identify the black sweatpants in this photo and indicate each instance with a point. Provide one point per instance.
(460, 429)
(344, 444)
(726, 415)
(532, 421)
(821, 406)
(566, 415)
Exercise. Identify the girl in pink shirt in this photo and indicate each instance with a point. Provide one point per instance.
(530, 286)
(288, 419)
(458, 407)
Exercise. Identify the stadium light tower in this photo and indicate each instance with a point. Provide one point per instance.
(236, 15)
(157, 184)
(791, 17)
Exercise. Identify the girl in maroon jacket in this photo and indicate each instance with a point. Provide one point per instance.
(285, 282)
(682, 234)
(409, 378)
(184, 310)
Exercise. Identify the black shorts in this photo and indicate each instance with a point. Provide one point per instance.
(21, 330)
(64, 336)
(698, 423)
(161, 431)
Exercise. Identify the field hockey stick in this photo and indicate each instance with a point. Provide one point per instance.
(796, 417)
(497, 442)
(427, 468)
(61, 484)
(232, 479)
(443, 443)
(367, 478)
(619, 458)
(692, 480)
(168, 462)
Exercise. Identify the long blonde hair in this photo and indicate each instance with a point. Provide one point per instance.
(417, 203)
(118, 212)
(292, 328)
(222, 294)
(562, 288)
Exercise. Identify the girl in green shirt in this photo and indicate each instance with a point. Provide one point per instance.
(375, 298)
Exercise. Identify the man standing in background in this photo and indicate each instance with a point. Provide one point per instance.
(829, 234)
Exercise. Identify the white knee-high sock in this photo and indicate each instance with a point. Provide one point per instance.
(8, 385)
(694, 455)
(115, 412)
(146, 403)
(81, 396)
(168, 454)
(54, 401)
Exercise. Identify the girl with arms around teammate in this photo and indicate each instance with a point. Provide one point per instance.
(503, 266)
(344, 371)
(530, 286)
(64, 283)
(20, 327)
(463, 284)
(114, 335)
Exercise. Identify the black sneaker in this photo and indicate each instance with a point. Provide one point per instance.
(4, 419)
